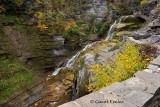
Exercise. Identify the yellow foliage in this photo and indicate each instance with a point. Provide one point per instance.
(59, 25)
(39, 15)
(143, 2)
(41, 21)
(19, 2)
(39, 1)
(126, 64)
(2, 8)
(70, 25)
(102, 77)
(41, 26)
(129, 60)
(62, 1)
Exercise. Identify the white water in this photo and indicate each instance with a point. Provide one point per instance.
(71, 61)
(120, 20)
(111, 31)
(56, 71)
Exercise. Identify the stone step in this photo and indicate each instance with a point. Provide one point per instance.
(156, 61)
(69, 104)
(115, 101)
(153, 67)
(117, 89)
(90, 100)
(137, 98)
(99, 100)
(133, 92)
(135, 84)
(152, 78)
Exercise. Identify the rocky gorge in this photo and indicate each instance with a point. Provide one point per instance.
(62, 64)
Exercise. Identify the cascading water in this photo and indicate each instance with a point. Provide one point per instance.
(56, 71)
(120, 19)
(71, 62)
(111, 32)
(76, 89)
(119, 23)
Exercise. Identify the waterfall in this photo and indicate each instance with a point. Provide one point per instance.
(71, 61)
(111, 29)
(120, 19)
(56, 71)
(111, 32)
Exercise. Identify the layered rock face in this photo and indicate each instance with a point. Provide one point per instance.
(98, 9)
(34, 49)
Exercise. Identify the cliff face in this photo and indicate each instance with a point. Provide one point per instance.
(27, 45)
(33, 30)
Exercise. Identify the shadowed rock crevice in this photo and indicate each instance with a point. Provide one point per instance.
(154, 101)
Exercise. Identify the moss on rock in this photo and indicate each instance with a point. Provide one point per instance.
(14, 75)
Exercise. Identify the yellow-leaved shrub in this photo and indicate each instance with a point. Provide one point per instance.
(127, 62)
(70, 25)
(143, 2)
(2, 8)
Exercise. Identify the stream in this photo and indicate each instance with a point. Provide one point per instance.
(60, 83)
(73, 59)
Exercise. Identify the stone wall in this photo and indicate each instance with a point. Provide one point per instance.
(133, 92)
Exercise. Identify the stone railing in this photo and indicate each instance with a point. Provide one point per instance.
(133, 92)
